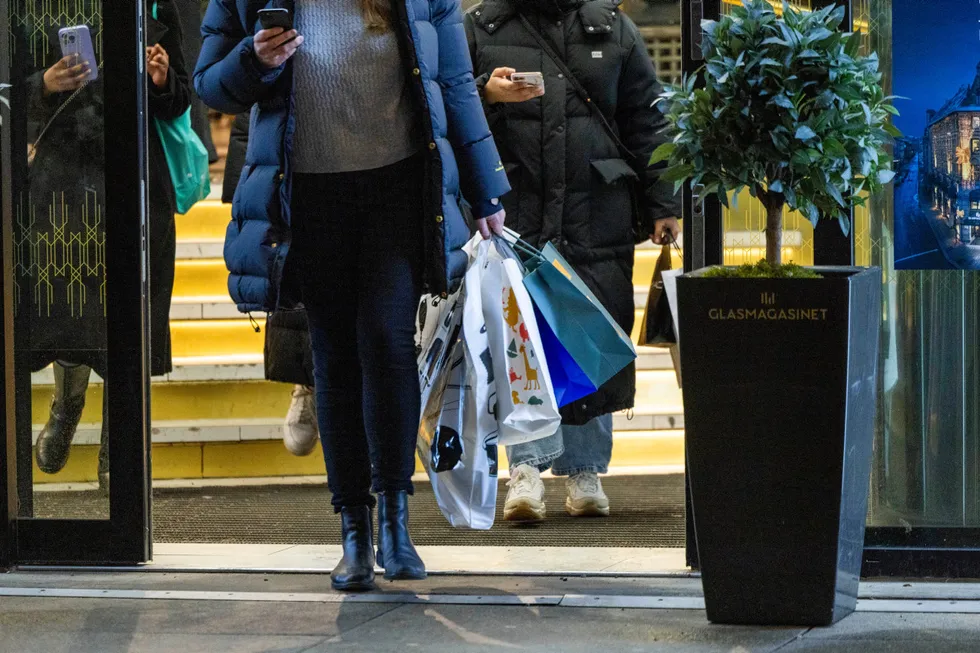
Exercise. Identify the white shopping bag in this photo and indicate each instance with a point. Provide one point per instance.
(526, 406)
(669, 278)
(457, 440)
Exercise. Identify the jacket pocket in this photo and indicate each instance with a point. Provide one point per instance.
(611, 202)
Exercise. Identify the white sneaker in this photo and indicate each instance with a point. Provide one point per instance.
(585, 496)
(525, 498)
(300, 432)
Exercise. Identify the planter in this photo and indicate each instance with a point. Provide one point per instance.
(779, 406)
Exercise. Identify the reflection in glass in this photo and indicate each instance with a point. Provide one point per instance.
(59, 252)
(59, 241)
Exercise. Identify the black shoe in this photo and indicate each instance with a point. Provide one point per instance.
(355, 573)
(396, 553)
(54, 442)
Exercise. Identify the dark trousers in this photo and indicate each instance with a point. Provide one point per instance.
(358, 240)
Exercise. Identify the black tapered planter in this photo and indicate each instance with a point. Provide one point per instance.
(779, 409)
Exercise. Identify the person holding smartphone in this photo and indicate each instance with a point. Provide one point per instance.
(67, 179)
(569, 91)
(367, 137)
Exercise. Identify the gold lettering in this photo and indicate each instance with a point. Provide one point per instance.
(775, 314)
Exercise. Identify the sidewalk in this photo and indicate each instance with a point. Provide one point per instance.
(149, 612)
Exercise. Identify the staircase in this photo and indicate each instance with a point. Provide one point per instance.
(216, 417)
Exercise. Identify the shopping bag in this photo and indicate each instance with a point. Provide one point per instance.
(569, 381)
(581, 323)
(657, 328)
(526, 408)
(460, 453)
(187, 158)
(670, 292)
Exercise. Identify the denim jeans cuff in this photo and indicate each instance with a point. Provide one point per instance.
(541, 463)
(572, 471)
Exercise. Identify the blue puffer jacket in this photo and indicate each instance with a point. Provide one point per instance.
(230, 79)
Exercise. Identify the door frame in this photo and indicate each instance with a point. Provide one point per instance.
(124, 538)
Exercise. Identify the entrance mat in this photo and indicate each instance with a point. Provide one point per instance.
(647, 511)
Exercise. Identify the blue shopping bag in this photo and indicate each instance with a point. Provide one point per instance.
(569, 381)
(586, 330)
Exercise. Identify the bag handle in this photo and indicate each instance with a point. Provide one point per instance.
(582, 92)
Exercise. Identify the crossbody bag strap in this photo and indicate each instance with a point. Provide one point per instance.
(582, 92)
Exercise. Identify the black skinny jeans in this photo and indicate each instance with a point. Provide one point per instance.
(359, 244)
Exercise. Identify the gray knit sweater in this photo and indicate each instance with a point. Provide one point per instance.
(353, 109)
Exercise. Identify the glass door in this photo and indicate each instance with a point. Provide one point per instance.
(74, 282)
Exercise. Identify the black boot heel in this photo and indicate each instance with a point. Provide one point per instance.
(396, 553)
(355, 573)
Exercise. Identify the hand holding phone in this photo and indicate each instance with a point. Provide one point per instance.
(501, 88)
(272, 18)
(66, 76)
(529, 79)
(277, 41)
(76, 47)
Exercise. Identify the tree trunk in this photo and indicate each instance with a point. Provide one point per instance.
(774, 203)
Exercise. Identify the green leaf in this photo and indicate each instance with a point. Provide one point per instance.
(804, 133)
(845, 224)
(662, 153)
(680, 172)
(885, 176)
(783, 101)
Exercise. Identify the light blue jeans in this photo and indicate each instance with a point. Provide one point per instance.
(572, 450)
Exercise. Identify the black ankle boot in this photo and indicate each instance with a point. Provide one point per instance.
(396, 553)
(54, 442)
(355, 573)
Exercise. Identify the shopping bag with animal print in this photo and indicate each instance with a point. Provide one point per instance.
(526, 405)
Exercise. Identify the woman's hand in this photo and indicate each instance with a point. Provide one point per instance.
(500, 89)
(492, 225)
(157, 65)
(274, 46)
(66, 75)
(665, 231)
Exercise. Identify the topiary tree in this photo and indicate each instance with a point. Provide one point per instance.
(789, 110)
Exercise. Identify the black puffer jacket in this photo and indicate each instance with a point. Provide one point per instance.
(571, 185)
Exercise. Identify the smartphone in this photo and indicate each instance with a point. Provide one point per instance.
(270, 18)
(76, 42)
(531, 79)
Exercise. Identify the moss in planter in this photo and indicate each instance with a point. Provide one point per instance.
(763, 270)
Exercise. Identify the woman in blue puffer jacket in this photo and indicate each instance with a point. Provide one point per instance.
(350, 203)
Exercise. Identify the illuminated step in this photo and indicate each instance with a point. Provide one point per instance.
(194, 338)
(188, 402)
(206, 221)
(267, 457)
(201, 278)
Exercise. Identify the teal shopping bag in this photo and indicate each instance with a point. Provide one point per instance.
(186, 157)
(583, 326)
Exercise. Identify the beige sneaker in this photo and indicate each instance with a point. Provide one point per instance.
(585, 496)
(525, 498)
(300, 432)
